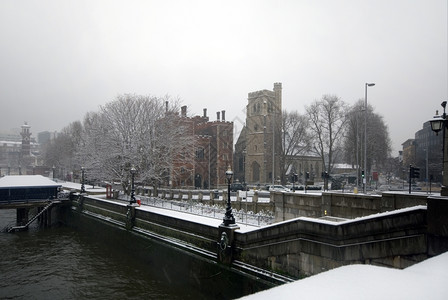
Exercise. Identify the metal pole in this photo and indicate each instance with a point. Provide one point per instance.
(365, 142)
(365, 137)
(273, 146)
(357, 152)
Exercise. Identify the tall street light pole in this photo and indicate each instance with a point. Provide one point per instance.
(365, 137)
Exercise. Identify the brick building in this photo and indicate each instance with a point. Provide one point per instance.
(211, 153)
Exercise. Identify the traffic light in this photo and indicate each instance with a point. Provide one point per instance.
(362, 174)
(307, 175)
(294, 177)
(414, 172)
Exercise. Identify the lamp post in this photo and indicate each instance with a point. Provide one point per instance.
(228, 217)
(244, 178)
(133, 171)
(365, 137)
(83, 190)
(439, 123)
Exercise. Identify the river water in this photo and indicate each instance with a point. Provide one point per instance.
(93, 260)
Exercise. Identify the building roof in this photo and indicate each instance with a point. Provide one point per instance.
(29, 181)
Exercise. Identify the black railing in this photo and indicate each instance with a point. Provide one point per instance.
(195, 208)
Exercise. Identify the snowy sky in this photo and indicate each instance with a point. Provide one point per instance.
(60, 59)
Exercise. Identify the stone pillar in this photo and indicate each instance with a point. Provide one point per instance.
(255, 197)
(226, 243)
(81, 201)
(444, 190)
(130, 215)
(22, 216)
(326, 204)
(437, 213)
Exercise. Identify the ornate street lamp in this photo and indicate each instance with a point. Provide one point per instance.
(365, 135)
(440, 123)
(133, 171)
(228, 217)
(83, 190)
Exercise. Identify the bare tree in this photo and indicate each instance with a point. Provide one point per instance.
(378, 142)
(60, 152)
(327, 124)
(296, 140)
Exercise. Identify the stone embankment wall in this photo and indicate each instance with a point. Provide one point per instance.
(306, 246)
(307, 241)
(293, 205)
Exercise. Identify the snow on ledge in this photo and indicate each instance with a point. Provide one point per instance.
(21, 181)
(374, 216)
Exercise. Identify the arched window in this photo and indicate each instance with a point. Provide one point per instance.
(255, 172)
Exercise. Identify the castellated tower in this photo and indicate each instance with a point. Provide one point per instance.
(26, 140)
(263, 136)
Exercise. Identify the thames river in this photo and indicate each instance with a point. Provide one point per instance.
(93, 260)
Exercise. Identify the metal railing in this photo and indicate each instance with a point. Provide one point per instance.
(195, 208)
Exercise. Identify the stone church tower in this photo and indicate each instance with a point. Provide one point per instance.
(25, 158)
(26, 140)
(263, 136)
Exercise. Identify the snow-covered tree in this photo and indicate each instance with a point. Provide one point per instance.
(133, 131)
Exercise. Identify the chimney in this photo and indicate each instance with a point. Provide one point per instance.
(183, 110)
(217, 115)
(223, 114)
(205, 113)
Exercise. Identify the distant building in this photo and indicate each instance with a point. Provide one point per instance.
(44, 137)
(258, 149)
(261, 137)
(212, 152)
(428, 153)
(425, 153)
(409, 152)
(18, 152)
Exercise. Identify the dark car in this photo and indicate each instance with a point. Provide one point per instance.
(234, 187)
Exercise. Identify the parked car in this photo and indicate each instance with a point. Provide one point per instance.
(278, 188)
(234, 187)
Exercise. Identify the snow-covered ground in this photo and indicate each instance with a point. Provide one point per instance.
(88, 187)
(425, 280)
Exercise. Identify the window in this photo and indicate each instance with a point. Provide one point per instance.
(200, 153)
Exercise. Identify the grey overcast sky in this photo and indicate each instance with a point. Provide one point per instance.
(60, 59)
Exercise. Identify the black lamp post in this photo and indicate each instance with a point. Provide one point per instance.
(83, 190)
(365, 136)
(133, 171)
(440, 123)
(228, 217)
